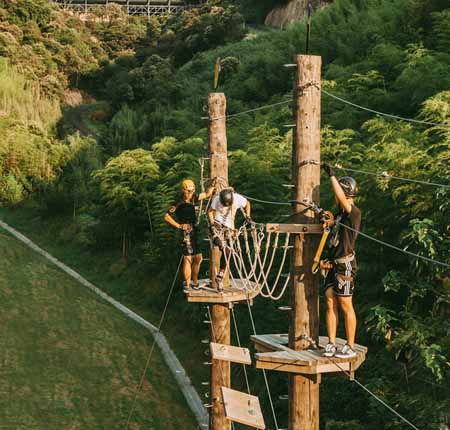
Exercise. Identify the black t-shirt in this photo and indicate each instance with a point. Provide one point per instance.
(184, 212)
(343, 239)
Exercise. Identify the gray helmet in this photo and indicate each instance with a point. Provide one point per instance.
(349, 186)
(226, 197)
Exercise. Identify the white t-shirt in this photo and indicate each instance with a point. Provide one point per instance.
(225, 214)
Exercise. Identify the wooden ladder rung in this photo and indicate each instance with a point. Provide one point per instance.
(235, 354)
(242, 408)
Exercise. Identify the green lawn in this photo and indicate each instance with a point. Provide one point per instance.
(132, 284)
(71, 361)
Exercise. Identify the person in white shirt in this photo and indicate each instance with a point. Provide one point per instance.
(221, 216)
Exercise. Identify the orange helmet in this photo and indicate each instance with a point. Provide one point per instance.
(187, 185)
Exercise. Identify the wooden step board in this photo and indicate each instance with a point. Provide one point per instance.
(235, 354)
(274, 354)
(206, 294)
(242, 408)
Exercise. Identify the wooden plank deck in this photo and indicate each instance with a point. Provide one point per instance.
(206, 294)
(274, 354)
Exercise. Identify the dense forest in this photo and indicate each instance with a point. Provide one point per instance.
(101, 119)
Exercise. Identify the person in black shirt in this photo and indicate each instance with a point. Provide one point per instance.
(340, 279)
(181, 215)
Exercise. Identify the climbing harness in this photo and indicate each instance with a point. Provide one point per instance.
(187, 240)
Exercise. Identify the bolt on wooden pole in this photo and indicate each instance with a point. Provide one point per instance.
(304, 390)
(220, 314)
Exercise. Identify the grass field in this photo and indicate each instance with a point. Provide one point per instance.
(131, 284)
(71, 361)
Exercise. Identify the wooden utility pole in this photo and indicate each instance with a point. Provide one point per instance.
(220, 313)
(304, 389)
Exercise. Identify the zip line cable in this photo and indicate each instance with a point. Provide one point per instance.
(388, 115)
(388, 176)
(153, 345)
(401, 118)
(266, 201)
(239, 344)
(263, 370)
(375, 396)
(249, 110)
(430, 260)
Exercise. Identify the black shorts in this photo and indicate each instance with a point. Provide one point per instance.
(342, 278)
(190, 245)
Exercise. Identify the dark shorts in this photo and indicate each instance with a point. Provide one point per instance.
(342, 279)
(190, 244)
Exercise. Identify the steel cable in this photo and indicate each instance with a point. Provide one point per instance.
(153, 345)
(401, 118)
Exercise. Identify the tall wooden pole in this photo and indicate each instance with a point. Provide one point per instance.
(220, 314)
(304, 390)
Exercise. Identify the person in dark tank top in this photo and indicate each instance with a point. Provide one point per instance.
(181, 215)
(342, 266)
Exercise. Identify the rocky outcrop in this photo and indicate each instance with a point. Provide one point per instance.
(294, 10)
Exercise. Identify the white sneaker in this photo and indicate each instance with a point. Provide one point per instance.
(330, 350)
(347, 352)
(195, 286)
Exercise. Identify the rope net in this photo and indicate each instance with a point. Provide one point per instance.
(256, 258)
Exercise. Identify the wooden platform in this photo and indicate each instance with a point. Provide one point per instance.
(206, 294)
(242, 408)
(274, 354)
(230, 353)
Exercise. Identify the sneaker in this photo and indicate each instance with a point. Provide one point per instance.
(219, 281)
(330, 350)
(347, 352)
(312, 346)
(195, 286)
(185, 285)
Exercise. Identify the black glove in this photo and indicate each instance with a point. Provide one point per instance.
(214, 228)
(328, 170)
(211, 230)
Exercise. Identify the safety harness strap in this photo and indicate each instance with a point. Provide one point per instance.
(344, 278)
(345, 259)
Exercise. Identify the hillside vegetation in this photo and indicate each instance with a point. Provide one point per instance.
(390, 55)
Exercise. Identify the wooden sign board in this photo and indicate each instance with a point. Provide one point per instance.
(242, 408)
(230, 353)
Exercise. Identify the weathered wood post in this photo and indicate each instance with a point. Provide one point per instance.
(220, 313)
(304, 389)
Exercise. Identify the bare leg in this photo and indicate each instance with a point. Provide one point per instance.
(346, 304)
(187, 269)
(332, 315)
(223, 260)
(196, 261)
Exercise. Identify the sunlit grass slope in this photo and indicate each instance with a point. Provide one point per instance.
(70, 361)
